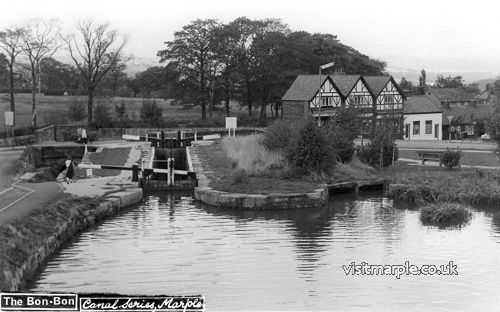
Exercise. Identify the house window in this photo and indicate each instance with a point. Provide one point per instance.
(356, 100)
(428, 127)
(416, 127)
(388, 98)
(326, 101)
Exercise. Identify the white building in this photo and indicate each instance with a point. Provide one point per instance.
(422, 119)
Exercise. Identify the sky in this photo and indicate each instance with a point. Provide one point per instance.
(377, 28)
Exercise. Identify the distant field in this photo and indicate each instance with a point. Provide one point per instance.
(48, 107)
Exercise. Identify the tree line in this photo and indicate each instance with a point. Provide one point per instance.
(207, 63)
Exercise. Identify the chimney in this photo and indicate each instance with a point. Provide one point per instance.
(445, 104)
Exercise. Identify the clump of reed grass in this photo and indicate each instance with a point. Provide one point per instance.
(247, 153)
(445, 214)
(475, 187)
(353, 170)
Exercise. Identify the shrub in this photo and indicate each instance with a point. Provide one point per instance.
(280, 134)
(342, 129)
(102, 118)
(76, 110)
(313, 151)
(382, 142)
(445, 214)
(151, 113)
(451, 158)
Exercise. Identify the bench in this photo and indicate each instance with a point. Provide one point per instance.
(430, 155)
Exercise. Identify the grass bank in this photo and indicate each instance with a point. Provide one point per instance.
(27, 241)
(470, 186)
(243, 165)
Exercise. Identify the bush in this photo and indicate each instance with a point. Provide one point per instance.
(280, 134)
(151, 113)
(313, 151)
(445, 214)
(76, 110)
(342, 129)
(102, 118)
(451, 158)
(383, 141)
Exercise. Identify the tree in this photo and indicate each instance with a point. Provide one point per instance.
(11, 44)
(193, 51)
(449, 82)
(39, 40)
(114, 79)
(406, 84)
(121, 111)
(422, 78)
(95, 53)
(57, 77)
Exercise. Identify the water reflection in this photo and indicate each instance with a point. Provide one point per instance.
(281, 260)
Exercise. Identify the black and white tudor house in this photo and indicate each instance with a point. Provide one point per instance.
(379, 98)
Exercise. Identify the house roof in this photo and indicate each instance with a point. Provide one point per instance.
(465, 115)
(420, 104)
(376, 83)
(452, 94)
(483, 96)
(303, 88)
(345, 83)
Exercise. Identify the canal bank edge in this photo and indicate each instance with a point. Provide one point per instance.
(16, 275)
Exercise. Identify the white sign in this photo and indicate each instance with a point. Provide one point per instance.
(9, 118)
(89, 172)
(231, 123)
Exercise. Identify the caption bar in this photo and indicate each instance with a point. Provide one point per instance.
(99, 302)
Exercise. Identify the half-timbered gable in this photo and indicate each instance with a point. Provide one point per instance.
(386, 93)
(330, 97)
(360, 96)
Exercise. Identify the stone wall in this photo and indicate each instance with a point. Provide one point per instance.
(15, 277)
(314, 199)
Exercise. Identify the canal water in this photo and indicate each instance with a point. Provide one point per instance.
(283, 260)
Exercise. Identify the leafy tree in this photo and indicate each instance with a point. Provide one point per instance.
(312, 150)
(449, 82)
(151, 113)
(57, 76)
(96, 52)
(422, 78)
(193, 51)
(406, 84)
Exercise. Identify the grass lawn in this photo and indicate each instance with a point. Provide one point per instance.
(108, 156)
(49, 109)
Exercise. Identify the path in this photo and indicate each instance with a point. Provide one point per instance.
(36, 195)
(7, 167)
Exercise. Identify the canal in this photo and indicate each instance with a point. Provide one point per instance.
(283, 260)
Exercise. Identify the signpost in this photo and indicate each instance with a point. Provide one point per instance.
(231, 124)
(9, 122)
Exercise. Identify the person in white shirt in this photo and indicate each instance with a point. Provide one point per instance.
(84, 136)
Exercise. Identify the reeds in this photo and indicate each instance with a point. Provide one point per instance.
(445, 214)
(246, 153)
(476, 187)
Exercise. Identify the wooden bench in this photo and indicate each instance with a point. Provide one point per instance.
(430, 155)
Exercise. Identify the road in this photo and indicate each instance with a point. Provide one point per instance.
(7, 167)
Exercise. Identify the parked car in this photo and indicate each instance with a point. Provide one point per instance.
(485, 137)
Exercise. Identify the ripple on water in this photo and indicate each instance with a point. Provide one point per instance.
(282, 260)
